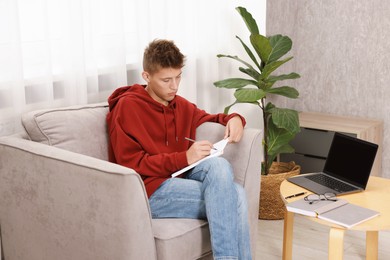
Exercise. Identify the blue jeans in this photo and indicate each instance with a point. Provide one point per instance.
(209, 192)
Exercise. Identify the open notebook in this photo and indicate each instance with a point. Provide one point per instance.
(339, 212)
(219, 147)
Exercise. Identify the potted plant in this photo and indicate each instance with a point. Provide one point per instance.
(280, 124)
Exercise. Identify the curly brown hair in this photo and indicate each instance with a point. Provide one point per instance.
(162, 54)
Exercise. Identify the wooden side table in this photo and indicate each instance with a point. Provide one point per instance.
(376, 197)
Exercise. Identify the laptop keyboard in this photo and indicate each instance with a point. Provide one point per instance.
(330, 182)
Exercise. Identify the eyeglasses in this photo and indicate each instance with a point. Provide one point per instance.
(313, 198)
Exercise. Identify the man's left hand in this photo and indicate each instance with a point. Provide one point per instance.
(234, 130)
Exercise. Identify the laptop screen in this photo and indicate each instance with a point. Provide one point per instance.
(350, 159)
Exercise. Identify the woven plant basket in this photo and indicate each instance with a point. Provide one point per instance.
(271, 204)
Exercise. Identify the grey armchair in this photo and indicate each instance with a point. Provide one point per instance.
(61, 199)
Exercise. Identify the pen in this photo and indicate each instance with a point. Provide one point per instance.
(189, 139)
(295, 195)
(192, 140)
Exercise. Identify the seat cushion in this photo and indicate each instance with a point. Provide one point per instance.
(192, 236)
(80, 129)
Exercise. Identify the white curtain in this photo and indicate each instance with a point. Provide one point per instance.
(64, 52)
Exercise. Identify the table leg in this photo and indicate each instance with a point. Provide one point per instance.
(372, 245)
(336, 243)
(288, 235)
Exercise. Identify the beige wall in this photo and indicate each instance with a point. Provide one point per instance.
(342, 51)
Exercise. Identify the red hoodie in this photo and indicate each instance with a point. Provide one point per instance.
(150, 137)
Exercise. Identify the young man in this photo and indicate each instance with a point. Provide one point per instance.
(148, 126)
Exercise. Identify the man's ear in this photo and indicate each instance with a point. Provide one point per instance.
(145, 76)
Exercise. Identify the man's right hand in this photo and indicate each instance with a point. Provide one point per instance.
(198, 150)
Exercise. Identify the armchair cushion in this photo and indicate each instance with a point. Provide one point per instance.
(80, 129)
(170, 234)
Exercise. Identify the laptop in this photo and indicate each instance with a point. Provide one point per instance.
(347, 167)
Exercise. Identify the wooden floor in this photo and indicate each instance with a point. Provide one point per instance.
(310, 241)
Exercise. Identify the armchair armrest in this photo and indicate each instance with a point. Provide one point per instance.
(245, 157)
(56, 204)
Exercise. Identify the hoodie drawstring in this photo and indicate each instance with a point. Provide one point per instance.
(174, 120)
(166, 125)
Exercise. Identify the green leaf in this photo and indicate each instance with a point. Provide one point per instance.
(278, 141)
(250, 53)
(285, 91)
(226, 110)
(234, 83)
(263, 85)
(237, 59)
(269, 107)
(249, 95)
(286, 148)
(271, 67)
(286, 119)
(280, 46)
(292, 75)
(248, 19)
(262, 46)
(250, 72)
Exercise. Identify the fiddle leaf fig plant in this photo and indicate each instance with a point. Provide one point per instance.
(280, 124)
